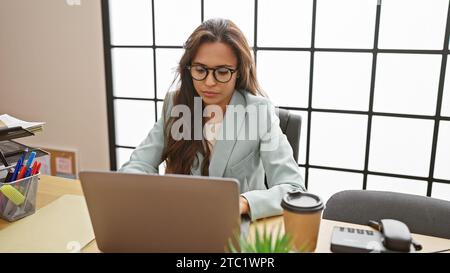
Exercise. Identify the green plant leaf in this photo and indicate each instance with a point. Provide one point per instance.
(269, 241)
(264, 242)
(279, 242)
(231, 247)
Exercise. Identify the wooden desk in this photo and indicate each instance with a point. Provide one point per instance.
(51, 188)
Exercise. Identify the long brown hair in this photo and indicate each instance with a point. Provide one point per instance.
(181, 155)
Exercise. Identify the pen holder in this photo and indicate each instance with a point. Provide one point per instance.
(18, 198)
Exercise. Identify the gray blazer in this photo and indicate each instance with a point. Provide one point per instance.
(248, 159)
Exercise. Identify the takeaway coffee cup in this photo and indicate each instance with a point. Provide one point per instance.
(302, 214)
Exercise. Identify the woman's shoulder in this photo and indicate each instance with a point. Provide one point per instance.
(170, 95)
(169, 98)
(168, 102)
(265, 109)
(252, 99)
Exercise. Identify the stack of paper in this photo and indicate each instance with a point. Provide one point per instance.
(6, 121)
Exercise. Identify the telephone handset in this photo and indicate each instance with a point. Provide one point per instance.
(389, 236)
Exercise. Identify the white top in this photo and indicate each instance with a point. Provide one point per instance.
(211, 131)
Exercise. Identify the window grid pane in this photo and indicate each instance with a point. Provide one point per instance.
(134, 119)
(242, 16)
(133, 72)
(295, 22)
(441, 191)
(170, 32)
(131, 22)
(325, 183)
(445, 109)
(422, 25)
(342, 80)
(407, 83)
(442, 164)
(401, 145)
(338, 140)
(291, 69)
(384, 183)
(166, 68)
(338, 26)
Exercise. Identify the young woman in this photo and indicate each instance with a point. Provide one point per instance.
(218, 80)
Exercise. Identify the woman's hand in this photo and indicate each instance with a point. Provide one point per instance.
(244, 208)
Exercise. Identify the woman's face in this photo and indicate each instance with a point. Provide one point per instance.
(215, 55)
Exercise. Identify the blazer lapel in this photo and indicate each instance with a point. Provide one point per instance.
(225, 144)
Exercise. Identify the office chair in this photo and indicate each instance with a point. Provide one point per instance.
(290, 125)
(423, 215)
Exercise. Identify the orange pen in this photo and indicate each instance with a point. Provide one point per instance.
(22, 173)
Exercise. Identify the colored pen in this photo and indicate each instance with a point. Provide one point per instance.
(38, 166)
(24, 155)
(22, 173)
(30, 159)
(19, 164)
(28, 172)
(16, 170)
(33, 169)
(28, 165)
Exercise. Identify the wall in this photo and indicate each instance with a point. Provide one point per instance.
(52, 70)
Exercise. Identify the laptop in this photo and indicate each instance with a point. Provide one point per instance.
(162, 213)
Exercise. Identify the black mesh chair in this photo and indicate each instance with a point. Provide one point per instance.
(423, 215)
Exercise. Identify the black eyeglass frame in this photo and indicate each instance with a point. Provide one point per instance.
(232, 71)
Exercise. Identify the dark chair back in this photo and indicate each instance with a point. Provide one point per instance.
(423, 215)
(290, 124)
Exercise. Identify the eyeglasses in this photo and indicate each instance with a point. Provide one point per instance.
(221, 74)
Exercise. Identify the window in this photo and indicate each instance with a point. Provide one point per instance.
(370, 78)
